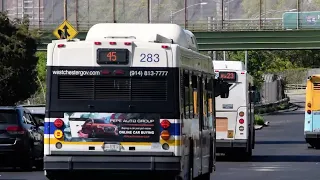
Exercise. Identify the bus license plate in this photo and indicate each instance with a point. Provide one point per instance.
(111, 147)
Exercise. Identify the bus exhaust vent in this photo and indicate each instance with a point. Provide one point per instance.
(112, 88)
(316, 86)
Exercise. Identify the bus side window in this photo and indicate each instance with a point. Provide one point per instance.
(194, 94)
(210, 103)
(187, 100)
(205, 104)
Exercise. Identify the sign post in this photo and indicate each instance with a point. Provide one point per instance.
(303, 20)
(65, 31)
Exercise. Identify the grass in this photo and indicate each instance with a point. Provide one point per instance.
(258, 120)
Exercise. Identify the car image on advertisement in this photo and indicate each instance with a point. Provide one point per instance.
(97, 128)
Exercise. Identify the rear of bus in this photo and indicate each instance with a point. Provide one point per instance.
(112, 105)
(312, 111)
(232, 113)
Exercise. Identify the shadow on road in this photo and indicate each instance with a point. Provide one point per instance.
(280, 142)
(272, 158)
(286, 158)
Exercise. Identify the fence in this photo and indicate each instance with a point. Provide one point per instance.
(193, 14)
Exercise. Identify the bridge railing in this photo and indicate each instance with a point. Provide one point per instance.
(213, 25)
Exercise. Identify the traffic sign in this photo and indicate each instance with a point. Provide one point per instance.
(65, 31)
(307, 20)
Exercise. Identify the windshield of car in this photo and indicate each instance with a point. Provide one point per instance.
(8, 117)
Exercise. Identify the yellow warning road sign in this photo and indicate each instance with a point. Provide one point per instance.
(65, 31)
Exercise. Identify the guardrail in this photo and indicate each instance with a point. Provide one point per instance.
(207, 25)
(271, 107)
(295, 86)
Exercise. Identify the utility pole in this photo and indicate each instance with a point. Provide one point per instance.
(114, 11)
(185, 14)
(77, 14)
(65, 9)
(149, 11)
(298, 14)
(260, 9)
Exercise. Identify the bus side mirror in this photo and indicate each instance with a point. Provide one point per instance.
(252, 97)
(224, 90)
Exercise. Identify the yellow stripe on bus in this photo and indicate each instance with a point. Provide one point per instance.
(54, 141)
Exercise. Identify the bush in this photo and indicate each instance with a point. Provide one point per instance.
(258, 120)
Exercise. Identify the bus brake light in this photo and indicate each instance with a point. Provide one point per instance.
(165, 46)
(58, 123)
(165, 135)
(112, 43)
(97, 43)
(127, 43)
(118, 72)
(309, 111)
(241, 121)
(165, 124)
(61, 45)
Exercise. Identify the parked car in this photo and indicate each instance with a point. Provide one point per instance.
(21, 138)
(37, 111)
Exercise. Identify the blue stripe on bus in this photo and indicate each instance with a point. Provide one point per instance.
(174, 129)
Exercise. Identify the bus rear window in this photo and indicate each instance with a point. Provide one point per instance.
(8, 117)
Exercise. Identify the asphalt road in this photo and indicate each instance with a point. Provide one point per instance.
(280, 154)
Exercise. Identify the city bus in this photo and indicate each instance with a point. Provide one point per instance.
(312, 112)
(131, 99)
(235, 133)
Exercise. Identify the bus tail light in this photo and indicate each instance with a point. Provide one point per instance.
(241, 114)
(165, 135)
(241, 121)
(97, 43)
(309, 111)
(61, 45)
(165, 124)
(112, 43)
(105, 72)
(15, 130)
(309, 105)
(165, 46)
(58, 123)
(118, 72)
(127, 43)
(58, 134)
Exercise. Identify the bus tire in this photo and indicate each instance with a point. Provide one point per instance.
(190, 164)
(211, 166)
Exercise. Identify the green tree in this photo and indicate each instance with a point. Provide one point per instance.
(17, 60)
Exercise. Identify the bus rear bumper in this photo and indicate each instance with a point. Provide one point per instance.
(222, 145)
(112, 163)
(312, 135)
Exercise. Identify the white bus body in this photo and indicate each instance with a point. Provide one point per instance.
(120, 99)
(235, 115)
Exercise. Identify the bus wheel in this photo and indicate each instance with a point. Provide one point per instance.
(205, 176)
(190, 159)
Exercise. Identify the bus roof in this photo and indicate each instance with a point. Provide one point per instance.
(229, 65)
(144, 33)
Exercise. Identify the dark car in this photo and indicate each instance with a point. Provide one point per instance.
(21, 138)
(37, 111)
